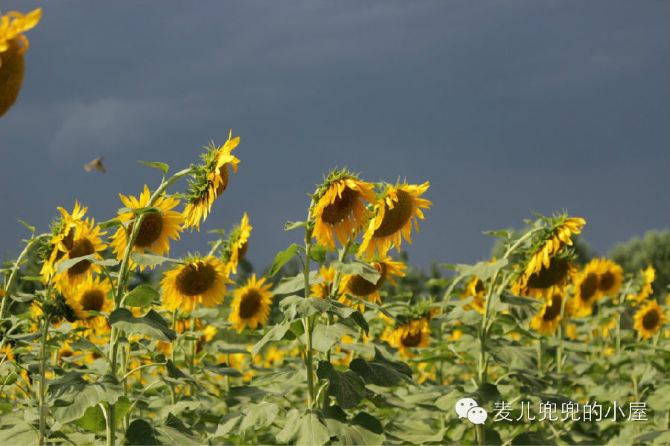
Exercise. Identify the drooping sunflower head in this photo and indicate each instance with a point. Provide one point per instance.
(649, 319)
(548, 280)
(413, 335)
(324, 289)
(645, 283)
(549, 316)
(157, 227)
(552, 241)
(251, 304)
(210, 180)
(89, 298)
(199, 281)
(586, 290)
(361, 287)
(610, 276)
(237, 244)
(86, 240)
(339, 209)
(13, 45)
(394, 212)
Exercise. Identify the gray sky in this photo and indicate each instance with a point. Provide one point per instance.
(505, 107)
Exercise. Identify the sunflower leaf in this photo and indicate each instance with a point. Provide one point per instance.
(150, 259)
(276, 333)
(65, 265)
(141, 296)
(282, 258)
(152, 324)
(163, 167)
(364, 270)
(291, 225)
(347, 387)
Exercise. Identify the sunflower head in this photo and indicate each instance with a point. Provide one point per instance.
(394, 212)
(157, 227)
(339, 209)
(198, 281)
(476, 289)
(235, 248)
(610, 276)
(324, 289)
(645, 283)
(586, 290)
(13, 45)
(359, 286)
(548, 280)
(209, 180)
(63, 230)
(548, 318)
(251, 304)
(89, 298)
(413, 335)
(86, 239)
(649, 319)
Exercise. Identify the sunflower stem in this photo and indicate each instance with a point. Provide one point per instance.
(42, 382)
(9, 285)
(306, 321)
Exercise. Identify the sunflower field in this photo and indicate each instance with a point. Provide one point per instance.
(107, 339)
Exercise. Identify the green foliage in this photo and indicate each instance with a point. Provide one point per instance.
(638, 253)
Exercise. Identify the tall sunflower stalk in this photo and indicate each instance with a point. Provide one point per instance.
(308, 321)
(123, 277)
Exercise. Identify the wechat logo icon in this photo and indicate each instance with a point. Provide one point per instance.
(468, 408)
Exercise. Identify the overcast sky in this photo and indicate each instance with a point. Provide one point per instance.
(505, 107)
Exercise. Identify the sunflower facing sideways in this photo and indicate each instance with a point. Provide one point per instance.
(237, 244)
(199, 281)
(157, 228)
(649, 319)
(646, 289)
(610, 276)
(339, 208)
(360, 287)
(394, 212)
(547, 319)
(414, 334)
(251, 304)
(62, 235)
(13, 45)
(86, 240)
(90, 295)
(210, 180)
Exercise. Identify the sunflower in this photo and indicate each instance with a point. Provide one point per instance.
(157, 228)
(62, 235)
(237, 244)
(90, 295)
(547, 319)
(393, 215)
(414, 334)
(210, 180)
(198, 281)
(649, 319)
(86, 240)
(323, 290)
(359, 286)
(251, 304)
(339, 208)
(13, 45)
(271, 357)
(548, 280)
(610, 276)
(586, 290)
(646, 289)
(558, 237)
(475, 289)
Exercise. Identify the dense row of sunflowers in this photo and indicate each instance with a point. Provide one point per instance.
(105, 338)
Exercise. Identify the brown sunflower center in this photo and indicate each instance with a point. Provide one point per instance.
(250, 304)
(195, 278)
(548, 277)
(553, 310)
(340, 208)
(606, 281)
(411, 339)
(359, 286)
(66, 353)
(92, 300)
(650, 320)
(243, 250)
(588, 287)
(69, 239)
(224, 181)
(479, 287)
(80, 247)
(150, 230)
(396, 218)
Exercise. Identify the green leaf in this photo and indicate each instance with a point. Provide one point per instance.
(259, 416)
(381, 371)
(94, 420)
(317, 253)
(152, 324)
(364, 270)
(20, 433)
(150, 260)
(312, 431)
(347, 388)
(156, 165)
(141, 296)
(290, 429)
(141, 433)
(282, 258)
(66, 264)
(297, 306)
(291, 285)
(276, 333)
(28, 226)
(291, 225)
(325, 336)
(483, 270)
(229, 422)
(81, 395)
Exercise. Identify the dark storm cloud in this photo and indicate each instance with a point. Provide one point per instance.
(506, 107)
